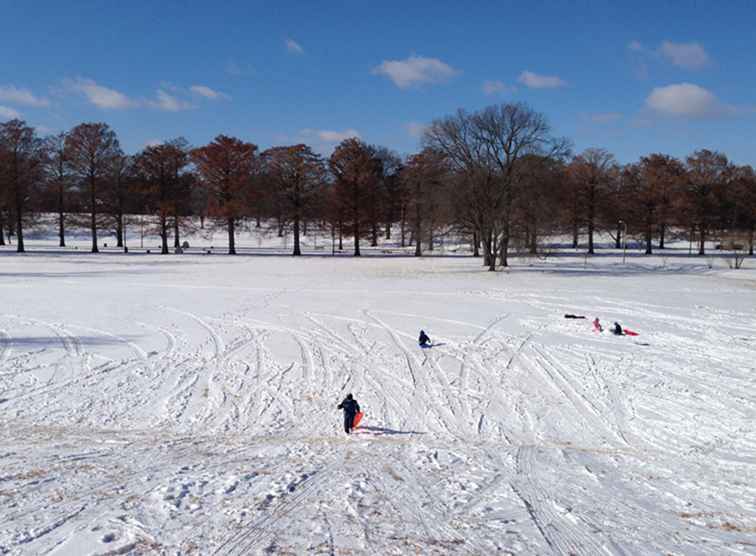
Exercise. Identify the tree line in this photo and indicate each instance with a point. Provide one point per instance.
(498, 177)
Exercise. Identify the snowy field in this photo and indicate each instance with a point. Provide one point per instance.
(187, 405)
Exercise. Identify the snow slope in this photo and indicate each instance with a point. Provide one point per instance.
(187, 404)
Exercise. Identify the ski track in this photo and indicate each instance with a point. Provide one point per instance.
(217, 432)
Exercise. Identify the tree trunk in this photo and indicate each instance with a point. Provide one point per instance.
(297, 252)
(61, 218)
(403, 226)
(533, 241)
(388, 230)
(92, 199)
(489, 251)
(649, 236)
(618, 237)
(231, 237)
(176, 232)
(430, 236)
(341, 235)
(504, 247)
(2, 227)
(417, 231)
(374, 234)
(662, 233)
(702, 243)
(19, 222)
(164, 234)
(119, 229)
(356, 237)
(574, 234)
(476, 245)
(257, 219)
(750, 237)
(304, 227)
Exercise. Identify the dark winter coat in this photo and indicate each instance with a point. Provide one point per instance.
(350, 407)
(423, 339)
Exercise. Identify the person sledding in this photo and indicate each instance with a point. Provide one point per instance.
(424, 341)
(597, 325)
(617, 329)
(351, 409)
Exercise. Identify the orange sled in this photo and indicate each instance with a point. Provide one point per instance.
(357, 419)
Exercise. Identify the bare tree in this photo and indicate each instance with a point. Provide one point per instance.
(298, 174)
(356, 173)
(489, 146)
(22, 155)
(708, 171)
(59, 179)
(593, 172)
(91, 148)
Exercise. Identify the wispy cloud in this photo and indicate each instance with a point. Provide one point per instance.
(536, 81)
(415, 70)
(686, 100)
(7, 113)
(329, 136)
(24, 97)
(232, 68)
(207, 92)
(169, 103)
(690, 55)
(603, 118)
(497, 88)
(294, 47)
(416, 129)
(101, 96)
(686, 55)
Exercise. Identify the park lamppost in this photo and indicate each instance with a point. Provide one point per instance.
(624, 239)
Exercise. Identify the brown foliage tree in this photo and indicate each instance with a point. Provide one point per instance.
(225, 167)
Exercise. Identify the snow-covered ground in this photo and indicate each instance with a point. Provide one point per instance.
(187, 405)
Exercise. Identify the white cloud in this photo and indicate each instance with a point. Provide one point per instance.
(687, 100)
(100, 96)
(416, 129)
(9, 113)
(152, 143)
(496, 88)
(14, 95)
(329, 136)
(415, 70)
(294, 47)
(169, 103)
(536, 81)
(605, 117)
(207, 92)
(689, 55)
(232, 68)
(635, 46)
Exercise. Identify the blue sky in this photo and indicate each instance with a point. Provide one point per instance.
(633, 78)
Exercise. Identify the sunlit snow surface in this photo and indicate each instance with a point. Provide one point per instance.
(187, 404)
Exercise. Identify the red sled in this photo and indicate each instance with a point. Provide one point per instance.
(357, 419)
(629, 332)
